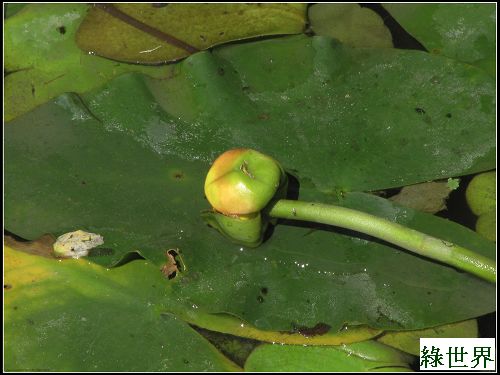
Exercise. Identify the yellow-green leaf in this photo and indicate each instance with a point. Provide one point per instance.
(148, 33)
(359, 357)
(318, 335)
(71, 315)
(42, 60)
(409, 341)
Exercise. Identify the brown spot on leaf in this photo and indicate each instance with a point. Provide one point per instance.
(174, 264)
(42, 246)
(318, 330)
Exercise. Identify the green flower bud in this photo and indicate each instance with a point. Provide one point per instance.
(239, 186)
(242, 182)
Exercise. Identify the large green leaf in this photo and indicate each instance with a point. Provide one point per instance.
(116, 34)
(43, 60)
(72, 315)
(348, 103)
(302, 277)
(466, 32)
(344, 118)
(134, 173)
(65, 174)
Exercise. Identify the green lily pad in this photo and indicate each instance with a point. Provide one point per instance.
(114, 184)
(302, 277)
(43, 60)
(342, 112)
(194, 27)
(72, 315)
(351, 24)
(132, 169)
(466, 32)
(344, 118)
(362, 356)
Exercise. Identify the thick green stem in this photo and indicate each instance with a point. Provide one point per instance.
(386, 230)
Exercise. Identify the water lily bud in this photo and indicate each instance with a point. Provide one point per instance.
(242, 181)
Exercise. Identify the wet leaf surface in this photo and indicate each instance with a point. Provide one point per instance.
(144, 33)
(317, 275)
(466, 32)
(339, 116)
(110, 183)
(128, 161)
